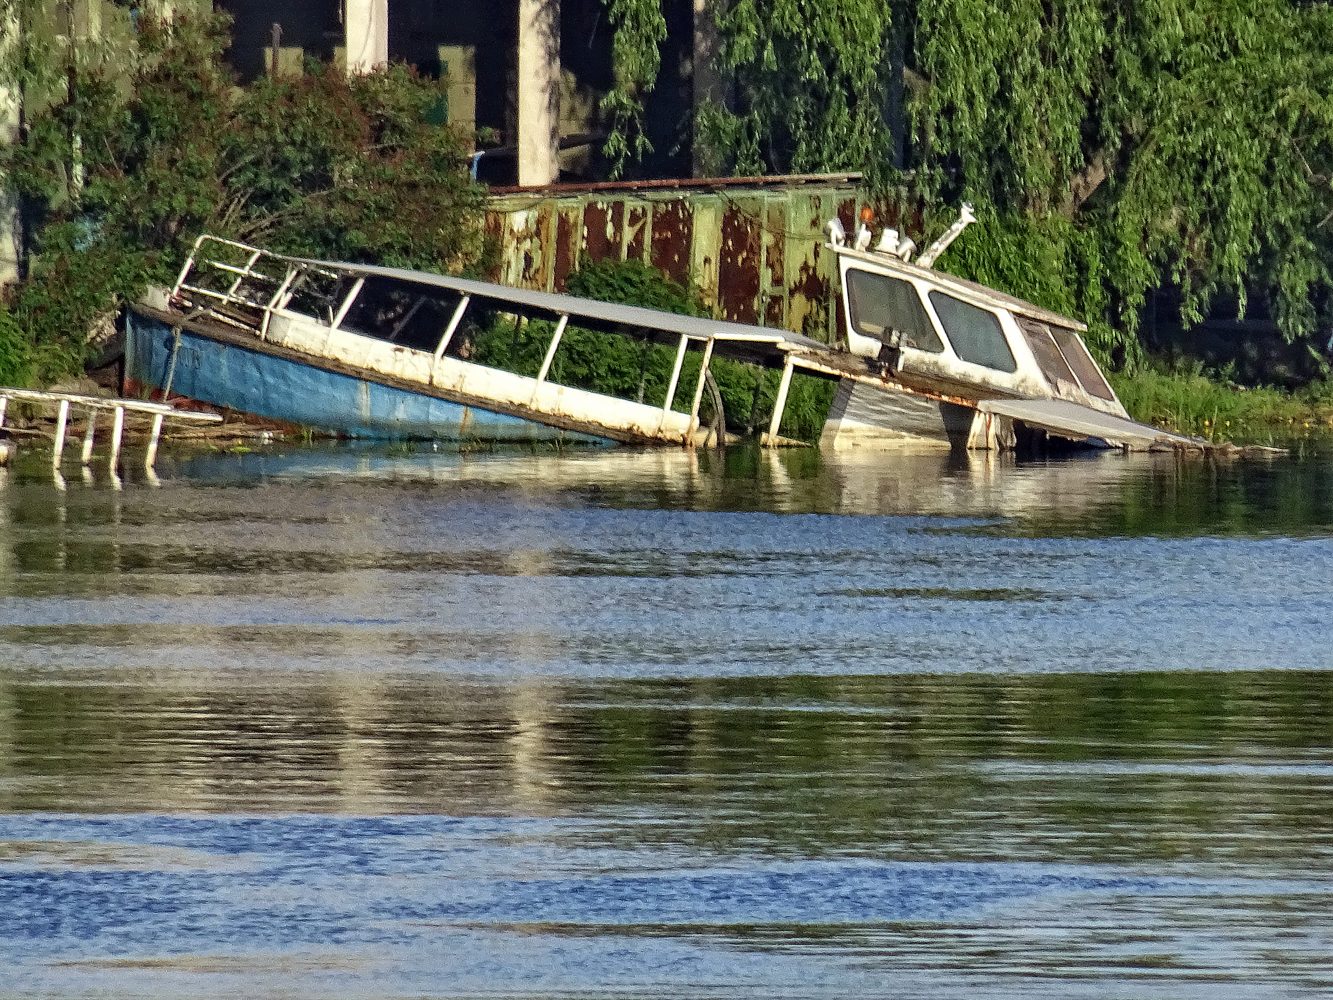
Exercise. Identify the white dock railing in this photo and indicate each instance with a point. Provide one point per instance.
(95, 406)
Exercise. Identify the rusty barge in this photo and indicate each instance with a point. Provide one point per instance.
(379, 352)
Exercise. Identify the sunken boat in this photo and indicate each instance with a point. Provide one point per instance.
(386, 353)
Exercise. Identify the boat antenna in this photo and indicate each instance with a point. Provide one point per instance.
(965, 219)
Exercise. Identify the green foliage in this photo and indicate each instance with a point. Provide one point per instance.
(809, 85)
(14, 350)
(145, 153)
(1188, 398)
(1113, 148)
(640, 29)
(633, 369)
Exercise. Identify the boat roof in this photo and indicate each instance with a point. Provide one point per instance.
(698, 327)
(985, 293)
(1078, 422)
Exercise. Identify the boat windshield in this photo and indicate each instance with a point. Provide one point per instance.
(881, 304)
(1076, 353)
(974, 332)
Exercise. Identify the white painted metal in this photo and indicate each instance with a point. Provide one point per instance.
(932, 254)
(347, 303)
(551, 348)
(62, 423)
(779, 404)
(675, 374)
(86, 453)
(1071, 420)
(103, 403)
(151, 455)
(943, 384)
(65, 402)
(117, 430)
(452, 326)
(698, 393)
(242, 273)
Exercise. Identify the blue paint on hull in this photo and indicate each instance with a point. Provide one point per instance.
(254, 382)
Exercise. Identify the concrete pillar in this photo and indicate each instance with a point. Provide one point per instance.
(366, 34)
(709, 85)
(538, 92)
(10, 118)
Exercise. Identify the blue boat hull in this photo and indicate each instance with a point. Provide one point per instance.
(277, 388)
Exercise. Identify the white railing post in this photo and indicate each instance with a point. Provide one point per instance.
(276, 302)
(779, 404)
(185, 268)
(62, 421)
(4, 405)
(550, 350)
(698, 394)
(151, 457)
(675, 376)
(117, 430)
(86, 455)
(452, 326)
(246, 272)
(348, 302)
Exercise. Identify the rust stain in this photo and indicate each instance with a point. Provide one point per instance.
(809, 299)
(534, 255)
(775, 242)
(601, 230)
(761, 248)
(566, 248)
(673, 232)
(636, 231)
(738, 266)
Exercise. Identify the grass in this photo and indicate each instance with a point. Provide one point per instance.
(1192, 400)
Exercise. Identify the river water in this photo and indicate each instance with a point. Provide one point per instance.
(366, 723)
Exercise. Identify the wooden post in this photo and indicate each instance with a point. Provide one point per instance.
(86, 455)
(151, 457)
(117, 430)
(693, 425)
(62, 421)
(779, 404)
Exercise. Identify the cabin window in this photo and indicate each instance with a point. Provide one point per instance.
(1049, 359)
(975, 333)
(881, 305)
(1089, 375)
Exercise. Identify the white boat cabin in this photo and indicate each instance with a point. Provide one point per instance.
(941, 332)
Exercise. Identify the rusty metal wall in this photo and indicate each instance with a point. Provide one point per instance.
(753, 247)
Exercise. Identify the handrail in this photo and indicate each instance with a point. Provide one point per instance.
(65, 401)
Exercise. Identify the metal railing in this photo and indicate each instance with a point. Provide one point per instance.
(233, 281)
(65, 403)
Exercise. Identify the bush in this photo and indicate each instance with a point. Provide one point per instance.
(318, 165)
(639, 370)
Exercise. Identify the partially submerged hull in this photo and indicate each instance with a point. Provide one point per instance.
(863, 417)
(375, 352)
(216, 367)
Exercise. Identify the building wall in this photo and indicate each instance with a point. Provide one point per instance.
(754, 248)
